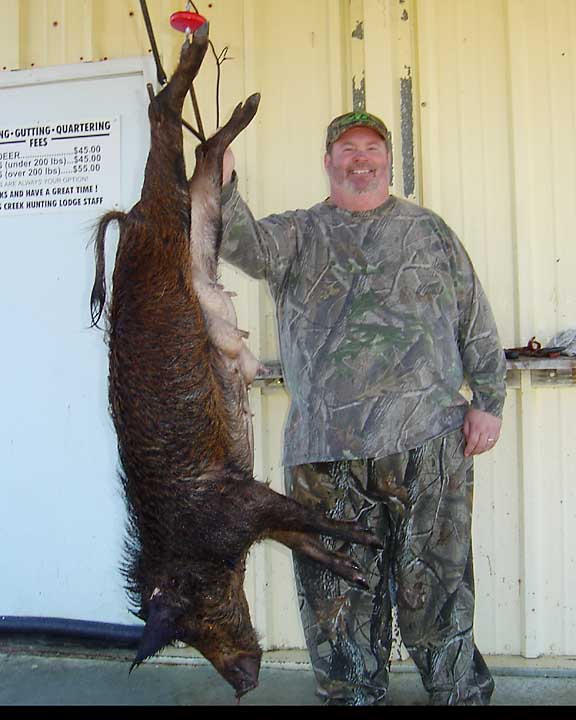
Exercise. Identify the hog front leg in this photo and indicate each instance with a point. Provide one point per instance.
(340, 564)
(279, 513)
(280, 518)
(297, 526)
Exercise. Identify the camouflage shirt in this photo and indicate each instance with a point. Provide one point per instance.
(381, 317)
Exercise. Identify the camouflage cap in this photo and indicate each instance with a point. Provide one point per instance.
(349, 120)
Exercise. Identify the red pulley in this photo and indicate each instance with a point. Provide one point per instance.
(183, 20)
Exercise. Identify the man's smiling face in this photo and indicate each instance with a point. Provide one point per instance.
(358, 164)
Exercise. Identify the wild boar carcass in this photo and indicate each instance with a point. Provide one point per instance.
(178, 371)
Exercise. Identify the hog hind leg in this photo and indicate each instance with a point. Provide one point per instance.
(165, 175)
(192, 54)
(205, 188)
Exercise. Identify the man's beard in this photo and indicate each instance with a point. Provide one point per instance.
(361, 190)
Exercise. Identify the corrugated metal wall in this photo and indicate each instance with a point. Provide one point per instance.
(481, 99)
(497, 116)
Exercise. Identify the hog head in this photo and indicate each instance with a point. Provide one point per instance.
(206, 609)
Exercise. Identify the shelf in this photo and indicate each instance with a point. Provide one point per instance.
(544, 372)
(528, 363)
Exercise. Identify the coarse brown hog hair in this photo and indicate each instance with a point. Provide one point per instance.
(178, 371)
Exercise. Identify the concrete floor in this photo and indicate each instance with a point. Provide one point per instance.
(46, 674)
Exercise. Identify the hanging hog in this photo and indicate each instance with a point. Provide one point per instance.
(178, 375)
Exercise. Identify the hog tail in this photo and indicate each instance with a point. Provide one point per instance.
(98, 296)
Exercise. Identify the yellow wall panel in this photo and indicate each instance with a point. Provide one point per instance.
(288, 56)
(392, 89)
(543, 95)
(76, 25)
(497, 120)
(496, 531)
(10, 35)
(467, 174)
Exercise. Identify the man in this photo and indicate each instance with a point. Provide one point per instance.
(381, 317)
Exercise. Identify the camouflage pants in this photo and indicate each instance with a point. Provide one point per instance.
(419, 503)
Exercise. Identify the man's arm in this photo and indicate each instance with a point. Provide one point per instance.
(482, 354)
(261, 248)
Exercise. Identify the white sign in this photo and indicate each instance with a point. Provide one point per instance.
(60, 166)
(62, 516)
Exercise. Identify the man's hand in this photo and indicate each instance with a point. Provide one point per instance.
(227, 166)
(481, 430)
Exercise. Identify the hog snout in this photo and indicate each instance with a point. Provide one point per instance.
(242, 672)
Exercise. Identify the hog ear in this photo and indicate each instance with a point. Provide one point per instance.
(159, 630)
